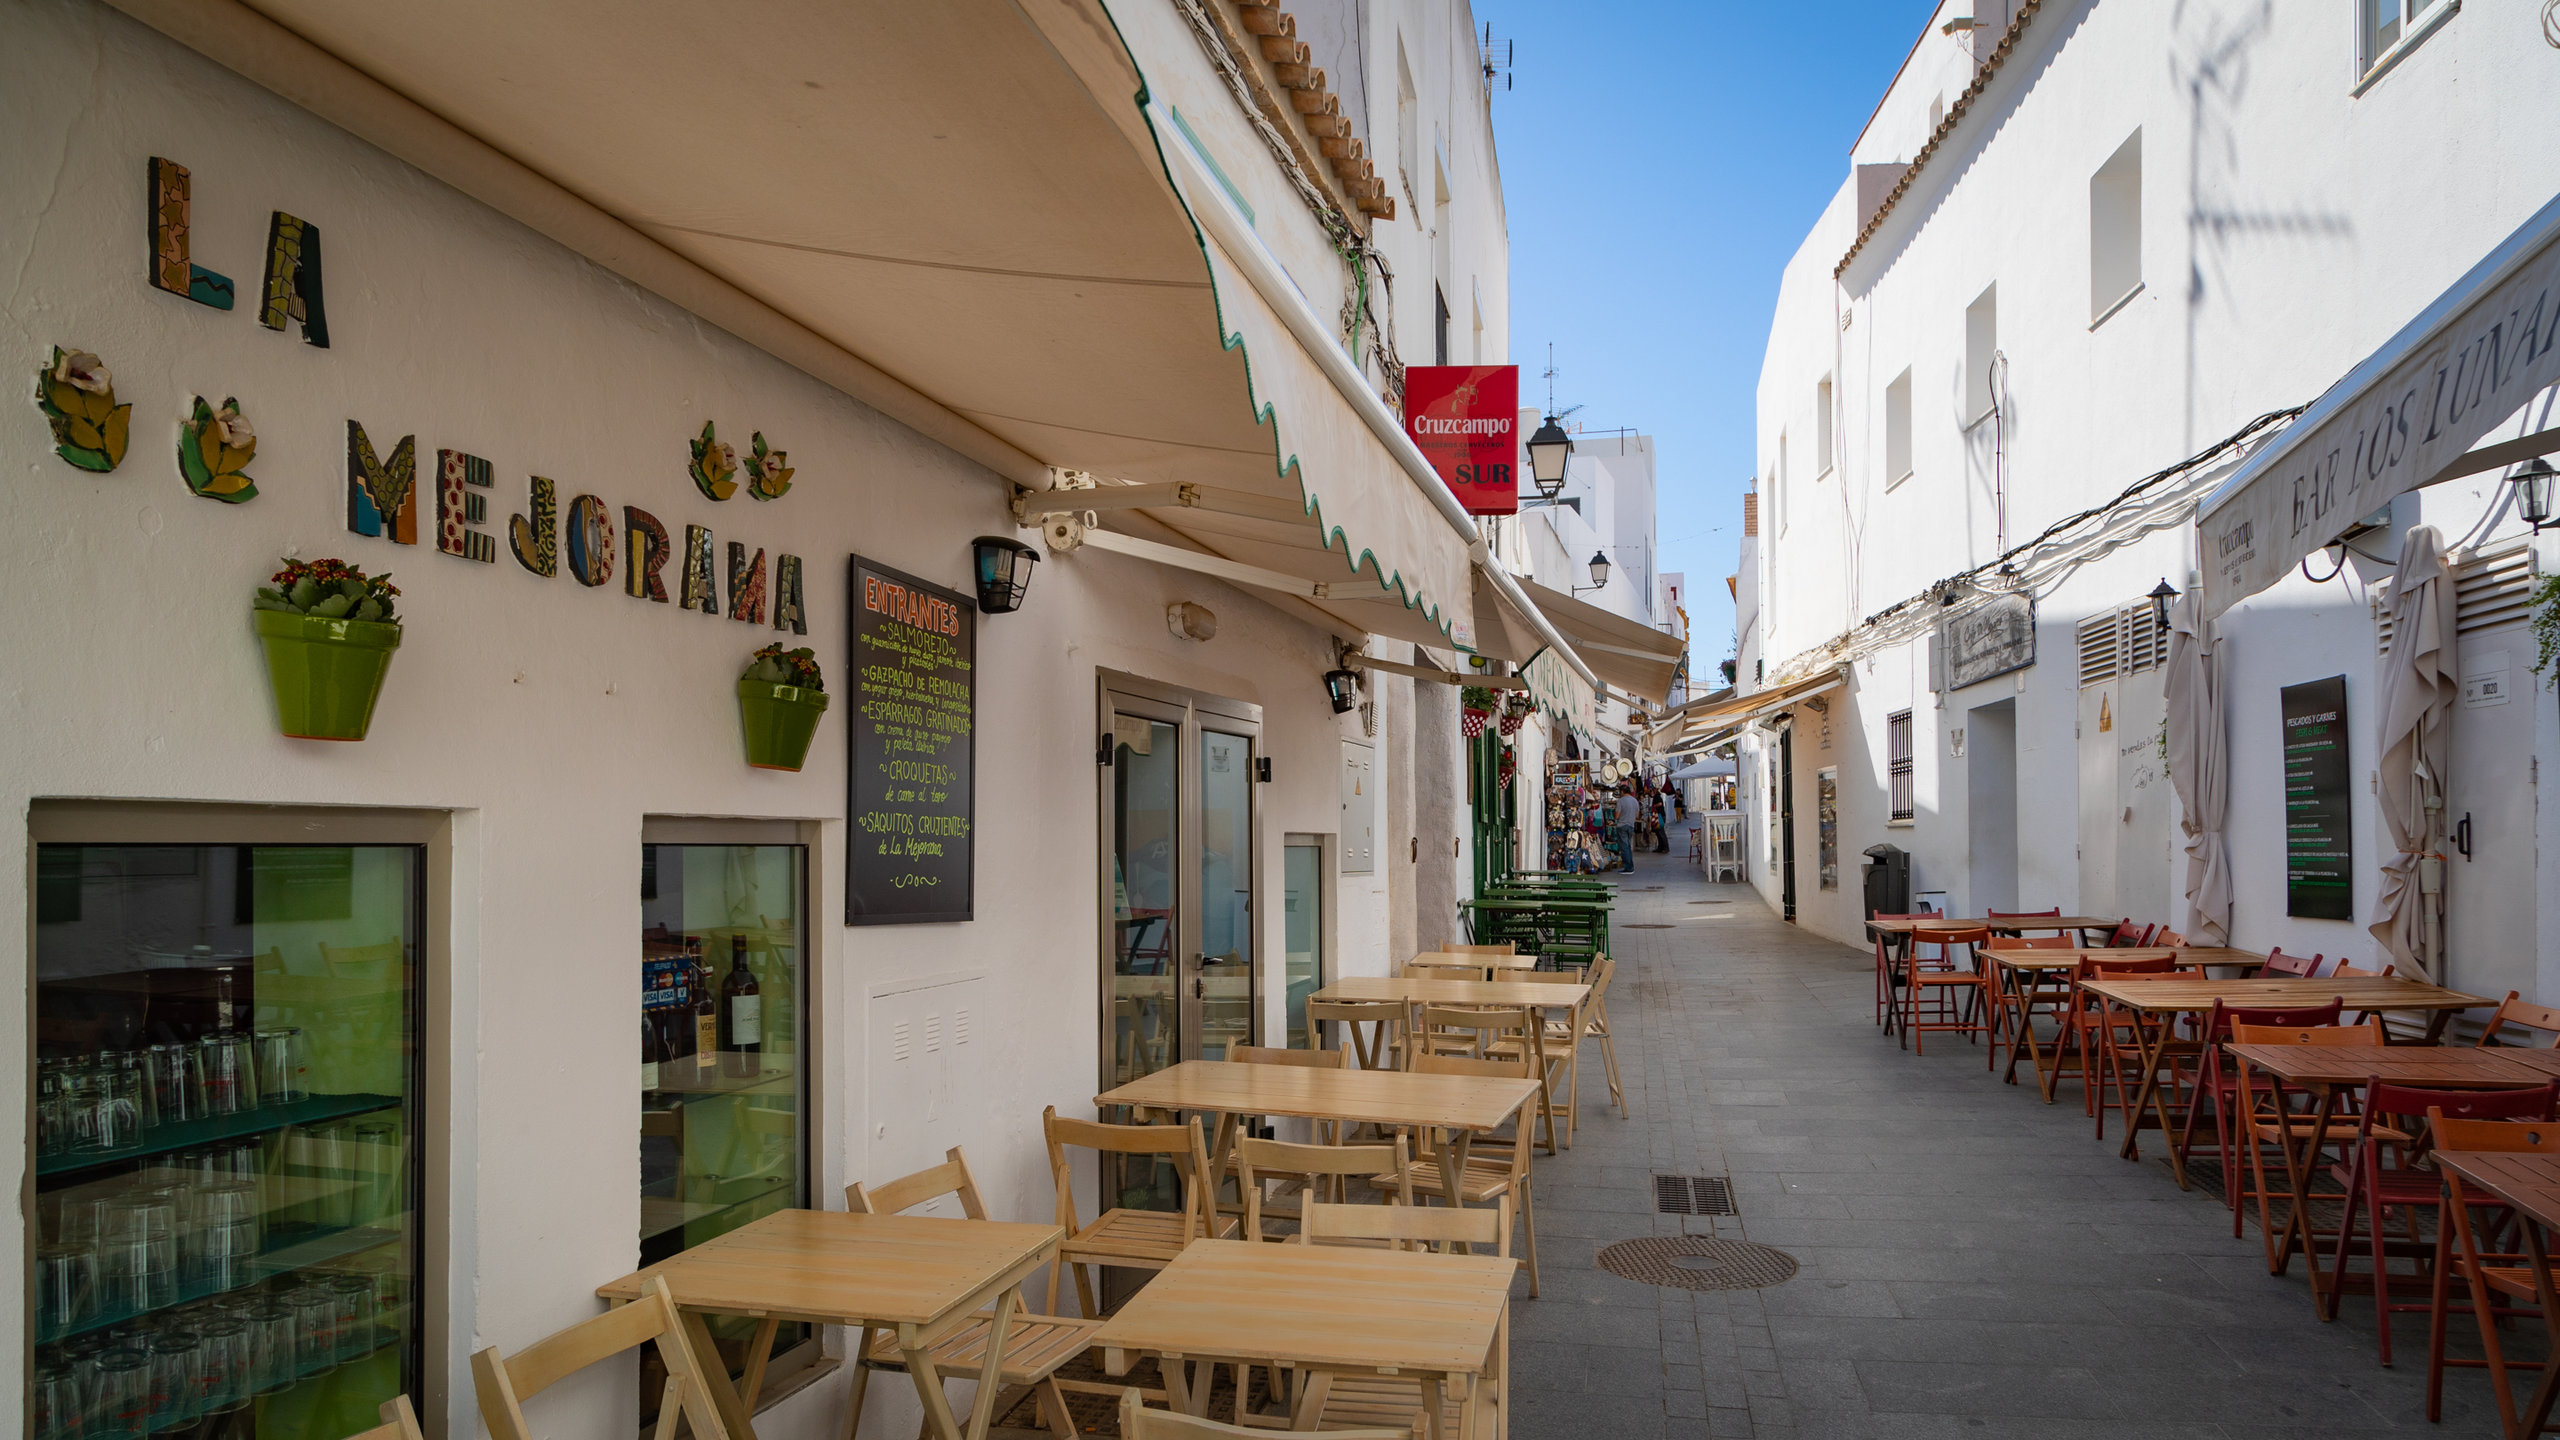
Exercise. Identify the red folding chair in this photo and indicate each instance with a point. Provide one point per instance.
(2279, 963)
(1955, 999)
(2503, 1284)
(2408, 1188)
(1890, 958)
(2219, 1083)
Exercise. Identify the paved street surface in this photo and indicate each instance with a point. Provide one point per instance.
(1975, 1265)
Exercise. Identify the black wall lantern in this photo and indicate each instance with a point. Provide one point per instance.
(1004, 572)
(2532, 480)
(1599, 573)
(1548, 450)
(2161, 595)
(1343, 688)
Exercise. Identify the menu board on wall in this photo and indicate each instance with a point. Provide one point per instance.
(911, 791)
(2318, 847)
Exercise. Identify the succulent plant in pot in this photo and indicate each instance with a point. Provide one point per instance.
(328, 630)
(780, 698)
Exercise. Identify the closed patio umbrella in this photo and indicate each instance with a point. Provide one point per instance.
(2199, 769)
(2419, 682)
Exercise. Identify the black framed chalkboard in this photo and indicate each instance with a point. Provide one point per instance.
(2319, 838)
(911, 788)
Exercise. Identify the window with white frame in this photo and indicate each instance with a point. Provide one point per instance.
(1408, 130)
(1897, 751)
(2386, 29)
(2115, 230)
(1897, 429)
(1981, 342)
(1822, 427)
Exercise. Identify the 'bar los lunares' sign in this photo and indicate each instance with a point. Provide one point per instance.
(1466, 420)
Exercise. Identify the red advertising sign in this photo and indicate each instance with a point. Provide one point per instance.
(1466, 419)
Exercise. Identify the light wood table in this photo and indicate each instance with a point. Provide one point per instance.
(1539, 995)
(2161, 1001)
(2327, 1071)
(1457, 1105)
(2530, 1183)
(919, 1276)
(1326, 1309)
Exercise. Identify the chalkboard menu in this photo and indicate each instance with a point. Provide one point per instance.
(2317, 839)
(911, 796)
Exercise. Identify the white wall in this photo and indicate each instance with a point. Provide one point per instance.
(549, 717)
(2289, 226)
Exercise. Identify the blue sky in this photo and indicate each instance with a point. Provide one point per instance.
(1660, 162)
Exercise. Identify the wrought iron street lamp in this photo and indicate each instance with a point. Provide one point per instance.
(1548, 450)
(1342, 687)
(1599, 573)
(2532, 480)
(2161, 595)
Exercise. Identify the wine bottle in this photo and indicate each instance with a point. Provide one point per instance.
(705, 1018)
(743, 1000)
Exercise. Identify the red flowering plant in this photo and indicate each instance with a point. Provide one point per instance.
(329, 590)
(774, 665)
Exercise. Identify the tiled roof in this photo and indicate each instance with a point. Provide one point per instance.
(1946, 127)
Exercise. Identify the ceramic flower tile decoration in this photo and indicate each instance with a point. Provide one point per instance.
(768, 471)
(715, 466)
(214, 450)
(78, 396)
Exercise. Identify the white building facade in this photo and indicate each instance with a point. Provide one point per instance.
(2088, 259)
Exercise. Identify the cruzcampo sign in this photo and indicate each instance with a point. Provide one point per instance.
(1466, 421)
(2397, 421)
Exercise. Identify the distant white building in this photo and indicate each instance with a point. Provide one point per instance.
(2078, 246)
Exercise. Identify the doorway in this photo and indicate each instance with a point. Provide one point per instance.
(1991, 806)
(1179, 862)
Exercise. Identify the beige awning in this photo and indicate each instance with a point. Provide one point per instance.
(1701, 723)
(1628, 655)
(963, 213)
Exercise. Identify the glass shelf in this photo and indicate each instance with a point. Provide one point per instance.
(186, 1134)
(660, 1214)
(773, 1079)
(300, 1247)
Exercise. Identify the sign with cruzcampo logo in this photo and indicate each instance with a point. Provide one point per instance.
(1466, 421)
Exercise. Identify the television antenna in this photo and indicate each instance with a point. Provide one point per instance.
(1495, 56)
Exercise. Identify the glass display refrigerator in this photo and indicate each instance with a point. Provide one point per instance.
(723, 1073)
(224, 1242)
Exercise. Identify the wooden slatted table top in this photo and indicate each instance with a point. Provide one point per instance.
(1318, 1305)
(1459, 957)
(2531, 1183)
(2420, 1065)
(1383, 1097)
(1416, 991)
(2038, 923)
(2057, 958)
(835, 1268)
(2541, 1059)
(2175, 994)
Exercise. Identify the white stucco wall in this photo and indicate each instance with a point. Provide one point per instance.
(2289, 226)
(548, 717)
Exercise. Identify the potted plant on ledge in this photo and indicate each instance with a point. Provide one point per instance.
(328, 630)
(779, 701)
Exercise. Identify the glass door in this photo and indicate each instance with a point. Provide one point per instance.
(1142, 1003)
(1223, 988)
(1302, 873)
(224, 1241)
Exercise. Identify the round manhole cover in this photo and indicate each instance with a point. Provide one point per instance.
(1644, 927)
(1691, 1262)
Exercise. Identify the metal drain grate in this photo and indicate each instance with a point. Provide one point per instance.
(1692, 1262)
(1693, 1195)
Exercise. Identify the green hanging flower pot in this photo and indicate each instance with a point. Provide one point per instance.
(779, 721)
(326, 673)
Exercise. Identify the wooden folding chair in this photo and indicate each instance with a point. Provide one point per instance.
(1034, 1345)
(2515, 1011)
(1560, 1045)
(1946, 991)
(2502, 1283)
(1289, 1164)
(1364, 1398)
(1595, 1025)
(2271, 1122)
(399, 1422)
(1123, 1238)
(1497, 1169)
(504, 1384)
(1420, 969)
(1137, 1422)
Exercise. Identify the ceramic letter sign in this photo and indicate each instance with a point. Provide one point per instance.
(382, 496)
(536, 542)
(293, 279)
(460, 506)
(701, 587)
(170, 268)
(787, 611)
(746, 585)
(646, 539)
(590, 541)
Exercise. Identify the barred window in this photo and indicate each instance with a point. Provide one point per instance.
(1897, 747)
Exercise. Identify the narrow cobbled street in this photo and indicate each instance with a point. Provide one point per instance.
(1972, 1262)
